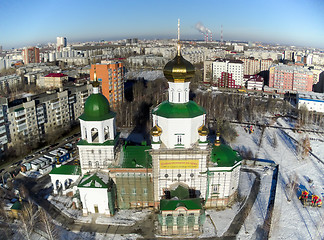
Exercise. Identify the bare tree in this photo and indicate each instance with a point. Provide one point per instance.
(48, 225)
(28, 218)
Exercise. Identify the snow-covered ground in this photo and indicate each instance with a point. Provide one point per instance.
(290, 219)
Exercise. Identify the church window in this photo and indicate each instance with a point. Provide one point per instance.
(97, 164)
(122, 191)
(166, 175)
(215, 188)
(179, 175)
(90, 164)
(134, 191)
(179, 97)
(145, 191)
(106, 131)
(179, 139)
(191, 175)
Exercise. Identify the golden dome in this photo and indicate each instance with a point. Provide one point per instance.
(156, 131)
(179, 70)
(202, 130)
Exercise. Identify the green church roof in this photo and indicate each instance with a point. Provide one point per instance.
(172, 204)
(67, 170)
(136, 157)
(224, 156)
(179, 110)
(94, 181)
(97, 108)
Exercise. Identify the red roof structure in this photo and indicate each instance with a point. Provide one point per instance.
(56, 75)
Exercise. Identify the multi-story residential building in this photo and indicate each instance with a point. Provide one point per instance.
(111, 76)
(30, 119)
(208, 71)
(9, 81)
(60, 43)
(316, 73)
(290, 78)
(234, 67)
(265, 64)
(253, 66)
(52, 80)
(31, 55)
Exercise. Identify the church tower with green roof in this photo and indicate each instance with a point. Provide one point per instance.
(98, 133)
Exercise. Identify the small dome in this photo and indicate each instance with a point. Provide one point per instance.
(96, 108)
(156, 131)
(179, 70)
(202, 130)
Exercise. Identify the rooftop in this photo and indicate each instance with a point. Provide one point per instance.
(179, 110)
(136, 156)
(67, 170)
(96, 180)
(56, 75)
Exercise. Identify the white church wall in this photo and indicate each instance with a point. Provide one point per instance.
(94, 197)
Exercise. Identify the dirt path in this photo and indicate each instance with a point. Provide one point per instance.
(239, 219)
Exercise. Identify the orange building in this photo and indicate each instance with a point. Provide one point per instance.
(31, 55)
(111, 76)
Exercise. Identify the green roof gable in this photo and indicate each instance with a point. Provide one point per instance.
(179, 110)
(67, 170)
(136, 157)
(97, 108)
(172, 204)
(93, 181)
(224, 156)
(180, 192)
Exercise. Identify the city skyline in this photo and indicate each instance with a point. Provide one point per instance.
(290, 22)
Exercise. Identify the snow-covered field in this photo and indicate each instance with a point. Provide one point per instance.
(290, 219)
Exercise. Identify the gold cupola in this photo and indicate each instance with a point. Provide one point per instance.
(156, 131)
(179, 70)
(202, 130)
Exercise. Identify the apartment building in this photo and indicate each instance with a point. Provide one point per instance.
(234, 67)
(52, 80)
(295, 78)
(31, 55)
(253, 66)
(9, 81)
(111, 76)
(30, 119)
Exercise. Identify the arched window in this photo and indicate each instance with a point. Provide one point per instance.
(90, 164)
(97, 164)
(94, 135)
(106, 132)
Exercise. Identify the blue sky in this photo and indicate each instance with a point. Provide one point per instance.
(295, 22)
